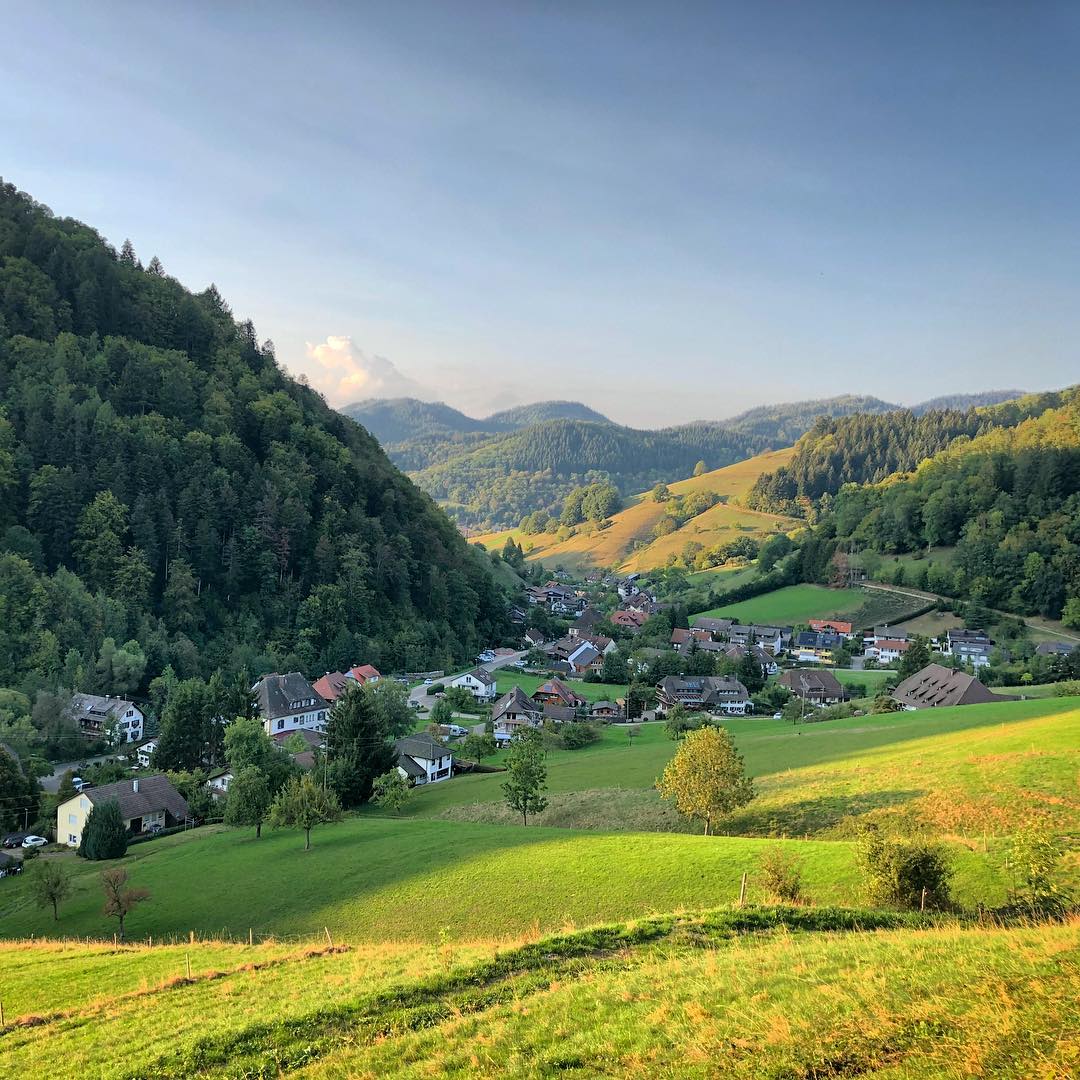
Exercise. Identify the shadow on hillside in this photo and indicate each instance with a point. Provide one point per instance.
(814, 816)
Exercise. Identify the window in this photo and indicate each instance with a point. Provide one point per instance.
(72, 838)
(72, 819)
(280, 724)
(83, 803)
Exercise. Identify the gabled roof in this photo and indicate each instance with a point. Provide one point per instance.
(139, 797)
(561, 714)
(587, 619)
(514, 701)
(481, 675)
(364, 672)
(279, 695)
(807, 683)
(331, 685)
(557, 688)
(421, 747)
(937, 686)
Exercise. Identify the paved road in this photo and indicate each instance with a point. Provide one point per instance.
(420, 693)
(52, 783)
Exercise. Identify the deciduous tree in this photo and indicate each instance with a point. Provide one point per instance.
(706, 779)
(303, 804)
(120, 897)
(50, 884)
(526, 776)
(248, 801)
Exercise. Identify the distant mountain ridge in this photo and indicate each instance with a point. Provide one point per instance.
(489, 473)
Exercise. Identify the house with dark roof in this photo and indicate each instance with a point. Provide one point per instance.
(288, 703)
(1054, 648)
(556, 692)
(816, 647)
(821, 687)
(423, 760)
(99, 717)
(937, 687)
(765, 659)
(145, 802)
(718, 627)
(479, 682)
(512, 712)
(631, 621)
(586, 658)
(605, 710)
(711, 693)
(681, 637)
(586, 622)
(969, 646)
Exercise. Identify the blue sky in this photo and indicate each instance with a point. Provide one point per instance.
(668, 211)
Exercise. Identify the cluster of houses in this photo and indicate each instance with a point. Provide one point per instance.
(552, 702)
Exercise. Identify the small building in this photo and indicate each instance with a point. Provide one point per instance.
(1054, 648)
(144, 754)
(99, 717)
(717, 627)
(145, 802)
(937, 686)
(514, 711)
(533, 638)
(816, 646)
(887, 651)
(423, 760)
(364, 673)
(218, 782)
(844, 629)
(631, 621)
(605, 710)
(682, 637)
(765, 659)
(585, 623)
(479, 682)
(288, 703)
(820, 687)
(556, 692)
(969, 646)
(584, 659)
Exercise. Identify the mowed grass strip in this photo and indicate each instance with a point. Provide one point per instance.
(904, 1004)
(789, 605)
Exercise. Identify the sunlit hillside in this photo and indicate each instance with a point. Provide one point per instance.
(628, 540)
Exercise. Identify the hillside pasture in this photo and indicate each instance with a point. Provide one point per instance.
(790, 605)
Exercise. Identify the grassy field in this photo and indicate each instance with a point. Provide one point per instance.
(507, 680)
(742, 993)
(628, 540)
(790, 605)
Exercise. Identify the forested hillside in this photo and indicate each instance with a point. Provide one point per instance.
(783, 424)
(1008, 501)
(168, 496)
(865, 448)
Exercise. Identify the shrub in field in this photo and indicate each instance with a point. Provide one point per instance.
(574, 736)
(781, 876)
(905, 872)
(50, 884)
(1035, 860)
(391, 791)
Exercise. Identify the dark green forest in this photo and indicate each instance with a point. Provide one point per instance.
(866, 448)
(170, 498)
(1006, 504)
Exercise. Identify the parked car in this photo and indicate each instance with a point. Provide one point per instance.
(78, 783)
(34, 842)
(778, 716)
(153, 830)
(456, 729)
(15, 839)
(11, 869)
(414, 705)
(429, 682)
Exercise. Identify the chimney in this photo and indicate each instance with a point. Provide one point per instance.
(135, 784)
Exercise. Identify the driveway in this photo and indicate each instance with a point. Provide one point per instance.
(52, 783)
(420, 693)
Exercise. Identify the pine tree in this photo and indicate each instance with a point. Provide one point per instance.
(104, 834)
(358, 747)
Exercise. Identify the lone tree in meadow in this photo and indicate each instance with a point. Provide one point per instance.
(303, 804)
(120, 897)
(50, 885)
(477, 747)
(249, 799)
(391, 791)
(104, 835)
(706, 778)
(526, 776)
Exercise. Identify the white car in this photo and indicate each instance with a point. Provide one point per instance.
(456, 729)
(778, 716)
(429, 682)
(34, 841)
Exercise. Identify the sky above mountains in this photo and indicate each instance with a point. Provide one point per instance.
(670, 212)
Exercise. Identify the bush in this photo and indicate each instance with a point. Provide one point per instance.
(435, 688)
(904, 872)
(574, 736)
(1069, 688)
(1035, 859)
(781, 876)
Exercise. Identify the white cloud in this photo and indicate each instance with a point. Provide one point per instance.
(345, 373)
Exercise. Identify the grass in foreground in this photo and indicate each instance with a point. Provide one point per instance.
(754, 992)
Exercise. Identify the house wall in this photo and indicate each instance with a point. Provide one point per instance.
(312, 719)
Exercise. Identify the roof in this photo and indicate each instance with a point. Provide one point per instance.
(589, 617)
(829, 624)
(712, 688)
(331, 685)
(714, 625)
(312, 738)
(481, 675)
(603, 706)
(557, 688)
(586, 655)
(153, 793)
(936, 686)
(415, 771)
(304, 760)
(421, 746)
(363, 672)
(894, 644)
(281, 695)
(559, 713)
(807, 683)
(95, 705)
(515, 700)
(1055, 648)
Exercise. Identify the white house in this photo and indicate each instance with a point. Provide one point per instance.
(97, 717)
(479, 683)
(145, 753)
(144, 802)
(514, 712)
(289, 703)
(886, 651)
(424, 760)
(219, 782)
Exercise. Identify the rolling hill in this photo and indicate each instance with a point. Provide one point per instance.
(628, 541)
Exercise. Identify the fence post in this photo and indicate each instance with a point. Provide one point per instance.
(191, 937)
(187, 960)
(742, 890)
(328, 937)
(250, 941)
(922, 900)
